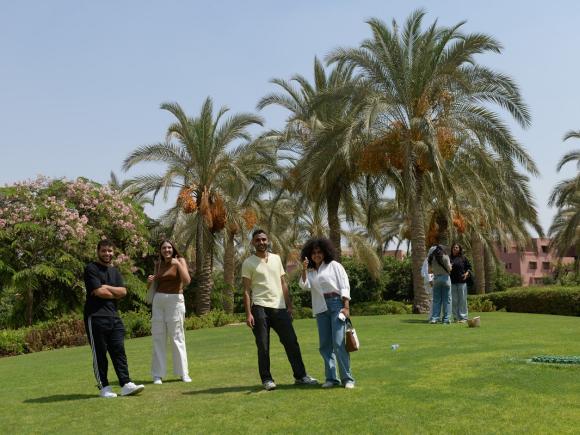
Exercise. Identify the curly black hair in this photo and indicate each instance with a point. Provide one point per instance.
(325, 245)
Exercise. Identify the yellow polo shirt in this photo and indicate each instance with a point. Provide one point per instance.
(265, 280)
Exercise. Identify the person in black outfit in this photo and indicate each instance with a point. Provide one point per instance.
(459, 273)
(105, 330)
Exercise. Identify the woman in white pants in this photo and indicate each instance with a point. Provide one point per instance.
(169, 313)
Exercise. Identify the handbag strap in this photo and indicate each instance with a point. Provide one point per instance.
(348, 323)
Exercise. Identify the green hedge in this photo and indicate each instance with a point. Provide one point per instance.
(380, 308)
(564, 301)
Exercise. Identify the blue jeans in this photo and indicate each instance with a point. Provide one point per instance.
(459, 301)
(331, 331)
(441, 297)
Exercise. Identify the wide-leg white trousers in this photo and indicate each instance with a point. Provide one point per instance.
(167, 322)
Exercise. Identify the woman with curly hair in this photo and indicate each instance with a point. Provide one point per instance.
(327, 281)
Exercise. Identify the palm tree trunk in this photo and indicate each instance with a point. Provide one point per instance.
(198, 246)
(442, 220)
(489, 271)
(478, 263)
(333, 203)
(205, 284)
(229, 257)
(422, 301)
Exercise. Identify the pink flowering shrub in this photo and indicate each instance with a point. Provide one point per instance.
(49, 229)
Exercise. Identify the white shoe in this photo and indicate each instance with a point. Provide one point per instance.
(349, 385)
(130, 388)
(157, 380)
(269, 385)
(186, 379)
(329, 384)
(107, 392)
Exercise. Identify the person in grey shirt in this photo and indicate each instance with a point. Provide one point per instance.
(440, 266)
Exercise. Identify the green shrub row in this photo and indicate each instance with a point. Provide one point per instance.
(380, 308)
(479, 305)
(564, 301)
(64, 332)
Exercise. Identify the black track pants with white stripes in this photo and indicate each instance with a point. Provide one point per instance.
(107, 334)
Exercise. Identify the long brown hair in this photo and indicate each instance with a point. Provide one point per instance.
(176, 253)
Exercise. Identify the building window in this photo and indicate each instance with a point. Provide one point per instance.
(545, 265)
(545, 249)
(533, 265)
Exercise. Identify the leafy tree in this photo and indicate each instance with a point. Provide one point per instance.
(426, 98)
(320, 135)
(49, 230)
(565, 228)
(202, 155)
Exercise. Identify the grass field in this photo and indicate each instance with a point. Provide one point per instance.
(443, 379)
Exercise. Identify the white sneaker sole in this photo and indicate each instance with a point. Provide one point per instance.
(133, 392)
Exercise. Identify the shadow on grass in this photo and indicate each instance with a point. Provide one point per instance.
(62, 398)
(248, 389)
(415, 321)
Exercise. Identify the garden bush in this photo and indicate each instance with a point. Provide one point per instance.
(479, 305)
(397, 279)
(504, 280)
(137, 323)
(563, 301)
(380, 308)
(12, 342)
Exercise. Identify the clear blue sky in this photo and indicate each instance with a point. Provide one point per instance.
(81, 81)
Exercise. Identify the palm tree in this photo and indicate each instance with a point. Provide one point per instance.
(201, 157)
(319, 134)
(565, 228)
(427, 97)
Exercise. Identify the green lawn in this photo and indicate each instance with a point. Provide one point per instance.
(443, 379)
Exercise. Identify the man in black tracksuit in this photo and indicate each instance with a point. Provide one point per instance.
(105, 330)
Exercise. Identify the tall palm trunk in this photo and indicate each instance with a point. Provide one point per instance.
(229, 260)
(478, 263)
(198, 246)
(422, 301)
(333, 203)
(489, 270)
(205, 282)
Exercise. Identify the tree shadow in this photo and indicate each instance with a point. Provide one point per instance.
(248, 389)
(61, 398)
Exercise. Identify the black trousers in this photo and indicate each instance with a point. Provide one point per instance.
(107, 334)
(279, 320)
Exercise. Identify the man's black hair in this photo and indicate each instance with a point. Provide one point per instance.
(105, 242)
(258, 231)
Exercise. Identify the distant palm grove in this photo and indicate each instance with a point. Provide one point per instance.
(402, 140)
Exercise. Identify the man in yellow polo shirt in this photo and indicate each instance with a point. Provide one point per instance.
(268, 305)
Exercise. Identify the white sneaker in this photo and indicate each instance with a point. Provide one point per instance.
(349, 385)
(329, 384)
(130, 388)
(107, 392)
(157, 380)
(186, 378)
(269, 385)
